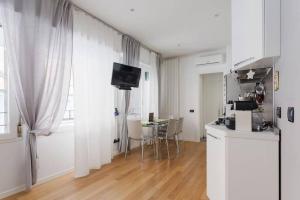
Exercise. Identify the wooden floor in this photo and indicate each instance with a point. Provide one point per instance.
(183, 177)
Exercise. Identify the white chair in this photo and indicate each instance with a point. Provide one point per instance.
(135, 132)
(170, 133)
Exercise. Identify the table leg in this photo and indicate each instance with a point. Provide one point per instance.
(154, 133)
(156, 146)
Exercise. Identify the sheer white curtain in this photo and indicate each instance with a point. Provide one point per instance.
(135, 105)
(149, 86)
(154, 91)
(145, 92)
(38, 40)
(169, 88)
(131, 56)
(96, 47)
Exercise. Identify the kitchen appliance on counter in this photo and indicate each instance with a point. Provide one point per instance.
(239, 114)
(229, 111)
(221, 120)
(258, 122)
(230, 123)
(243, 120)
(245, 105)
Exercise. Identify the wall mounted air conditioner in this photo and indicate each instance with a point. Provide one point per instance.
(210, 59)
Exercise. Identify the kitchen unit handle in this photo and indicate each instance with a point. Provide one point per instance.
(243, 61)
(213, 136)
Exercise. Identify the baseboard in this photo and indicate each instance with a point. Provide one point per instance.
(53, 176)
(39, 182)
(12, 191)
(191, 140)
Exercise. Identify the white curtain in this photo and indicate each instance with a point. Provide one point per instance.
(38, 40)
(144, 100)
(145, 92)
(96, 47)
(154, 84)
(169, 88)
(149, 86)
(131, 56)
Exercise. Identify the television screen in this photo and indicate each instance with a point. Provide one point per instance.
(125, 76)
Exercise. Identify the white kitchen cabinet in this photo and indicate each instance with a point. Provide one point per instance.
(242, 165)
(215, 167)
(255, 33)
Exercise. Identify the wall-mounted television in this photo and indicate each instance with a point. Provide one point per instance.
(124, 76)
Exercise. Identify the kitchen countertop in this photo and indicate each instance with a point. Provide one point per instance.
(223, 131)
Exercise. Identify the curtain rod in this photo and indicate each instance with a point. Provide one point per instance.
(110, 26)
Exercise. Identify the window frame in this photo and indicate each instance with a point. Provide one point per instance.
(11, 109)
(69, 120)
(143, 84)
(6, 93)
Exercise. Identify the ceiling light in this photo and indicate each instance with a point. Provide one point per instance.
(178, 45)
(131, 10)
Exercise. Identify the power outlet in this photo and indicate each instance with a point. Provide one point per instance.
(291, 114)
(278, 112)
(116, 140)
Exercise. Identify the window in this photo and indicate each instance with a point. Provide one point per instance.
(3, 87)
(139, 97)
(69, 112)
(146, 93)
(9, 114)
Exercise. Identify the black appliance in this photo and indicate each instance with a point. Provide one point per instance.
(230, 123)
(221, 120)
(124, 76)
(151, 117)
(245, 105)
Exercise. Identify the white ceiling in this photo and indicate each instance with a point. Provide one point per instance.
(171, 27)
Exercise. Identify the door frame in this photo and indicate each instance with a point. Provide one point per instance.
(201, 100)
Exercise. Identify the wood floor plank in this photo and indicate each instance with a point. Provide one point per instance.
(182, 177)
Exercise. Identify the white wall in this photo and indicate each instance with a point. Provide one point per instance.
(190, 87)
(289, 95)
(56, 153)
(56, 157)
(11, 167)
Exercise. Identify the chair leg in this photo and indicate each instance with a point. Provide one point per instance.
(154, 147)
(167, 143)
(158, 148)
(182, 144)
(142, 143)
(177, 144)
(126, 148)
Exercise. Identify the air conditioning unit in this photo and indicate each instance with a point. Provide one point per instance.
(210, 59)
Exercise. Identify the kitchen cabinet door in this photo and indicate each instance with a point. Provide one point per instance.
(215, 167)
(247, 32)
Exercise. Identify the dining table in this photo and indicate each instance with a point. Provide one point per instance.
(155, 124)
